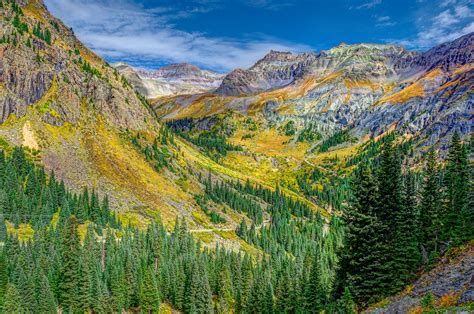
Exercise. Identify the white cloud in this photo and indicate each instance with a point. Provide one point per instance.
(454, 21)
(384, 21)
(369, 5)
(462, 11)
(445, 3)
(121, 30)
(445, 19)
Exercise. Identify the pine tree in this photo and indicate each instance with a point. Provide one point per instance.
(346, 304)
(457, 224)
(268, 304)
(314, 292)
(149, 296)
(406, 240)
(25, 285)
(365, 259)
(13, 303)
(44, 296)
(47, 36)
(245, 285)
(199, 298)
(68, 287)
(260, 300)
(85, 283)
(3, 276)
(431, 212)
(224, 289)
(389, 209)
(3, 227)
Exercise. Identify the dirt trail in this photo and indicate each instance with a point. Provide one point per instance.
(265, 223)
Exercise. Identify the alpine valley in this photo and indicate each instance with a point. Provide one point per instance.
(339, 181)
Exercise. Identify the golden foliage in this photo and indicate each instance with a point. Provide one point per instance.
(448, 300)
(411, 91)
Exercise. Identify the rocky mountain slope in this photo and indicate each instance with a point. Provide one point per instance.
(275, 70)
(77, 116)
(42, 61)
(369, 89)
(175, 79)
(449, 286)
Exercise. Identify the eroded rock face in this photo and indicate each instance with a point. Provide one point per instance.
(24, 79)
(454, 277)
(275, 70)
(52, 79)
(175, 79)
(447, 56)
(369, 89)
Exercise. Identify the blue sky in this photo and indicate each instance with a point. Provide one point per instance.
(222, 35)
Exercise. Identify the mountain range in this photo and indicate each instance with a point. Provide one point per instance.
(366, 88)
(175, 79)
(259, 161)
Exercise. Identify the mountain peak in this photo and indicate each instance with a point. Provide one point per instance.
(173, 79)
(179, 68)
(274, 55)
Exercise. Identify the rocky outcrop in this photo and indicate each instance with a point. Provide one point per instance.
(447, 56)
(57, 77)
(367, 88)
(275, 70)
(175, 79)
(453, 278)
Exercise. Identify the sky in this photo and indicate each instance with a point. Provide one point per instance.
(222, 35)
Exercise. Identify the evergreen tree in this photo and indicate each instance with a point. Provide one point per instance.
(13, 303)
(243, 292)
(390, 212)
(149, 297)
(3, 227)
(26, 288)
(457, 224)
(199, 298)
(260, 299)
(44, 296)
(406, 239)
(314, 294)
(346, 304)
(3, 277)
(68, 287)
(431, 212)
(224, 289)
(366, 266)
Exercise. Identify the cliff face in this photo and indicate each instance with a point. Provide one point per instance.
(42, 63)
(369, 89)
(175, 79)
(275, 70)
(451, 282)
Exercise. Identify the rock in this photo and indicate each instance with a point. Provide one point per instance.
(43, 75)
(370, 89)
(451, 276)
(175, 79)
(275, 70)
